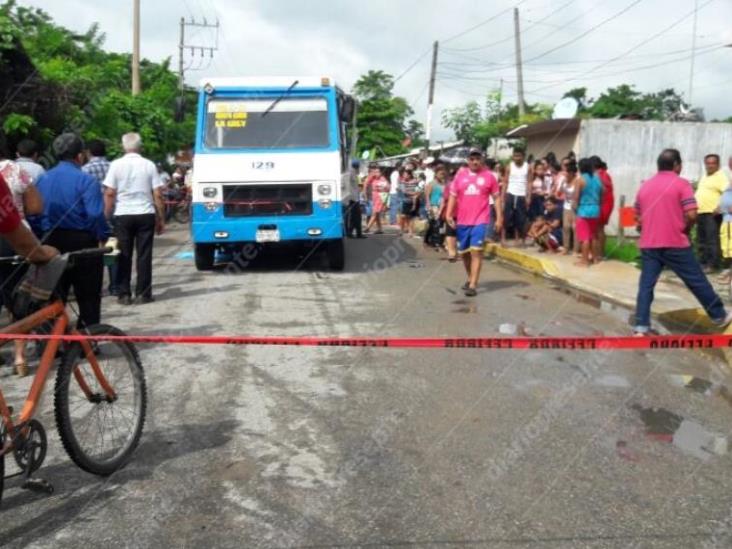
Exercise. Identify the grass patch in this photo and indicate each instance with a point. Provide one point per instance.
(627, 251)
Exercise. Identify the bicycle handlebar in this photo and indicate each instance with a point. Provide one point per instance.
(88, 252)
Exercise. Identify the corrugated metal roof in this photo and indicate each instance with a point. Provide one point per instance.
(546, 126)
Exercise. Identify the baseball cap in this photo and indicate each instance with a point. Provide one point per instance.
(475, 150)
(429, 160)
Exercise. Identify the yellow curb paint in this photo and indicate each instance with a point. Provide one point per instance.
(694, 319)
(689, 319)
(536, 265)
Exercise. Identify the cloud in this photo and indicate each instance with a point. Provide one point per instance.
(345, 39)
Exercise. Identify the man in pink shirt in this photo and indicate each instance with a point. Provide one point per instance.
(469, 197)
(666, 211)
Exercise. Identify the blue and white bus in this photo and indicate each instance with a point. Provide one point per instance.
(271, 165)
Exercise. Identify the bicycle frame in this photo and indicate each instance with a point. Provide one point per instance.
(55, 310)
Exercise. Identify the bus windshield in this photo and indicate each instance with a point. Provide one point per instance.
(244, 123)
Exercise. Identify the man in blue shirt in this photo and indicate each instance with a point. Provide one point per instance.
(73, 219)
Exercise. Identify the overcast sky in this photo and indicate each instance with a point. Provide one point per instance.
(609, 42)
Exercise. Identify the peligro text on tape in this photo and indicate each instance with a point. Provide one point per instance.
(585, 343)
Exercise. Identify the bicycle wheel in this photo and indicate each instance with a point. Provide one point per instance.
(100, 432)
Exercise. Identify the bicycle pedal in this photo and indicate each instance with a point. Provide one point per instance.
(38, 485)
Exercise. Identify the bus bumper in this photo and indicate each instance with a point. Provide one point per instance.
(212, 227)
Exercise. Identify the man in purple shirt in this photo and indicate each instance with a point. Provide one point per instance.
(666, 211)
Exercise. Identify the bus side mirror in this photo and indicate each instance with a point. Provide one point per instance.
(348, 110)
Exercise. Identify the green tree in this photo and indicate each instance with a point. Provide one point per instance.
(463, 121)
(383, 119)
(621, 100)
(478, 125)
(374, 85)
(73, 84)
(579, 95)
(626, 100)
(415, 132)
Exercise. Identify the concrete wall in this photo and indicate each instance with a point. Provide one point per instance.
(560, 144)
(630, 148)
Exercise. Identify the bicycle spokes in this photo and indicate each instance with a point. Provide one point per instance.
(100, 403)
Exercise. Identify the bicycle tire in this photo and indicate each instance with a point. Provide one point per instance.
(67, 425)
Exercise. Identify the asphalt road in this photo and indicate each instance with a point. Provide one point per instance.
(332, 447)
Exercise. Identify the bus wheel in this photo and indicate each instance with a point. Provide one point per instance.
(204, 255)
(336, 255)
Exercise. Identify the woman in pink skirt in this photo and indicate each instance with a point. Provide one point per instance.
(377, 187)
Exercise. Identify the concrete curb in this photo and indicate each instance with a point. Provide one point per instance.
(539, 266)
(692, 320)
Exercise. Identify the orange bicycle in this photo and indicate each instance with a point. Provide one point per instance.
(99, 400)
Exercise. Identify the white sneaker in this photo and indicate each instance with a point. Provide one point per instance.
(723, 323)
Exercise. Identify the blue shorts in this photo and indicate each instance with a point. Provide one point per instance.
(471, 237)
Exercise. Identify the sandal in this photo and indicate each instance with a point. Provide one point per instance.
(724, 278)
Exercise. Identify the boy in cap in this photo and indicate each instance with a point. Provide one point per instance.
(469, 197)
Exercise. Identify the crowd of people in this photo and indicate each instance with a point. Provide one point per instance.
(80, 203)
(562, 207)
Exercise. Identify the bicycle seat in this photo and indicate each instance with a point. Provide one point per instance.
(37, 286)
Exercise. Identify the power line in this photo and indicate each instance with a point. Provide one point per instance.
(588, 31)
(567, 24)
(421, 93)
(487, 71)
(484, 22)
(508, 38)
(632, 49)
(410, 67)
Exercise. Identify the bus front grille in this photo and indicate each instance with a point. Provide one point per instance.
(262, 200)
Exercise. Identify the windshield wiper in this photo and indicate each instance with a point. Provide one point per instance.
(280, 98)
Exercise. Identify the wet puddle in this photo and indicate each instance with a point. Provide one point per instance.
(617, 311)
(702, 386)
(465, 306)
(687, 435)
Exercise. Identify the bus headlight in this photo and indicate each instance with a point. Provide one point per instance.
(211, 206)
(324, 189)
(325, 203)
(210, 192)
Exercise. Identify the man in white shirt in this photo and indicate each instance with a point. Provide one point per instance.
(134, 194)
(27, 152)
(516, 195)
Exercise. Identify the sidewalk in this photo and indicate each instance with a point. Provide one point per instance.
(612, 281)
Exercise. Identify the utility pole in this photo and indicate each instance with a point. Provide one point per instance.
(431, 98)
(136, 47)
(498, 115)
(182, 46)
(519, 64)
(693, 54)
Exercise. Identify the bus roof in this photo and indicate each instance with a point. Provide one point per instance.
(268, 82)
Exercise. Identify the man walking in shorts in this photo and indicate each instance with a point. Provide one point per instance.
(469, 203)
